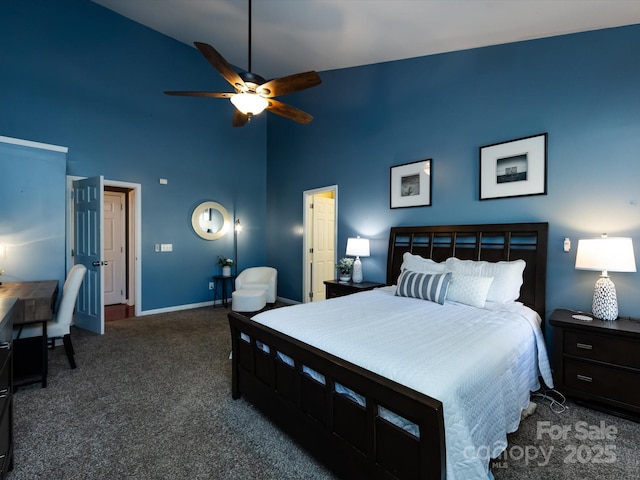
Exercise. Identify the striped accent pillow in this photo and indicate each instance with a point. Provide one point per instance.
(427, 286)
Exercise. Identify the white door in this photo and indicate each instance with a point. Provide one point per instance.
(323, 248)
(114, 248)
(88, 197)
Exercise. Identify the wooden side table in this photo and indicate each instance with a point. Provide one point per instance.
(598, 362)
(335, 288)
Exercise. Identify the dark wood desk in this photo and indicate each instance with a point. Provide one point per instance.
(36, 304)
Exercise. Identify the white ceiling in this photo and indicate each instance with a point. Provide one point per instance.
(291, 36)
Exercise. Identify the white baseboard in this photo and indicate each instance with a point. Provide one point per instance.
(190, 306)
(177, 308)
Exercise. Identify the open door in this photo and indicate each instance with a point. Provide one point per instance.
(88, 196)
(323, 257)
(115, 246)
(319, 242)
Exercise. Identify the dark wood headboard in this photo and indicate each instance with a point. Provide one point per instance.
(492, 242)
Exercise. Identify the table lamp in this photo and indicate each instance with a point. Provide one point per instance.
(357, 247)
(606, 254)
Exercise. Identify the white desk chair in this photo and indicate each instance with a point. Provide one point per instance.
(59, 326)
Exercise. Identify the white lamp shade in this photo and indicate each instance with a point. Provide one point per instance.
(358, 247)
(613, 254)
(249, 103)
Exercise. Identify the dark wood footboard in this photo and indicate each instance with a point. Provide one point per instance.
(351, 439)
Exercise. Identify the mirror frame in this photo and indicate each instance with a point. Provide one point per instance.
(195, 220)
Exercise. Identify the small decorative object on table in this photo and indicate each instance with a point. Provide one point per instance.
(225, 263)
(344, 266)
(1, 272)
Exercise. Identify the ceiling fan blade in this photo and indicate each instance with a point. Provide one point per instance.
(200, 94)
(288, 111)
(239, 119)
(220, 64)
(289, 84)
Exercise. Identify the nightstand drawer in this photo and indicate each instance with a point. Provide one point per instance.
(334, 288)
(609, 349)
(605, 382)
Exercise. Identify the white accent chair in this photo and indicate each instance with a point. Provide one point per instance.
(255, 287)
(59, 327)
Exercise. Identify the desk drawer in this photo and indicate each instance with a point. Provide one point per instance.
(5, 441)
(615, 350)
(6, 330)
(608, 383)
(6, 342)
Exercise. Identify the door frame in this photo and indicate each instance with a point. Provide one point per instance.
(307, 197)
(135, 234)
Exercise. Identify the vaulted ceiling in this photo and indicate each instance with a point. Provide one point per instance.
(291, 36)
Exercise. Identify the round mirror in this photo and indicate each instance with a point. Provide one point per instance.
(210, 220)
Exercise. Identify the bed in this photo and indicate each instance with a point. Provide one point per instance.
(365, 414)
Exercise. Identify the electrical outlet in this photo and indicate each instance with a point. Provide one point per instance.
(210, 285)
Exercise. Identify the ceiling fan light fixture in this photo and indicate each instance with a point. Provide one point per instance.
(249, 103)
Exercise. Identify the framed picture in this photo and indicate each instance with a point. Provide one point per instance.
(514, 169)
(411, 184)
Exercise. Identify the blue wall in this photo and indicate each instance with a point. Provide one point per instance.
(32, 229)
(581, 89)
(78, 75)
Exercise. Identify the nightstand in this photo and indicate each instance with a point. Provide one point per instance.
(598, 362)
(334, 288)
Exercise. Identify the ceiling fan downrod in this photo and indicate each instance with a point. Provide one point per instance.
(249, 38)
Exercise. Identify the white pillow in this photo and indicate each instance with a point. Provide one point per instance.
(416, 263)
(507, 276)
(469, 289)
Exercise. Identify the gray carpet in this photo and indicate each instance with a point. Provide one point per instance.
(577, 444)
(151, 400)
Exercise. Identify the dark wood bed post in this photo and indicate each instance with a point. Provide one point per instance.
(352, 440)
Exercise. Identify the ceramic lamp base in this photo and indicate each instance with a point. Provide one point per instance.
(605, 301)
(356, 275)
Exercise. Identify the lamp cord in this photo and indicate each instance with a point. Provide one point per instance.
(556, 406)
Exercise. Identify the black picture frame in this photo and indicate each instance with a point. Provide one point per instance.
(516, 168)
(411, 184)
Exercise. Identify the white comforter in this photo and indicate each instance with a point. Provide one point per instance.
(480, 363)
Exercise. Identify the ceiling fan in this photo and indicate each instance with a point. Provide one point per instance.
(253, 94)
